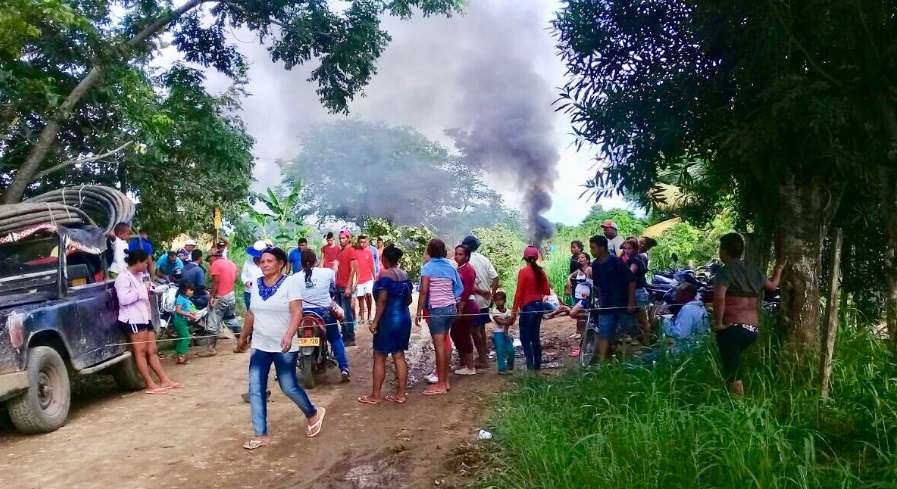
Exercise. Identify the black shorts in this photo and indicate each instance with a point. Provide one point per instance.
(135, 328)
(731, 342)
(483, 318)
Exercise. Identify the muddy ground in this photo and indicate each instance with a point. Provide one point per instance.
(192, 437)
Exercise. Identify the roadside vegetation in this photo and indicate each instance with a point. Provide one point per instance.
(674, 425)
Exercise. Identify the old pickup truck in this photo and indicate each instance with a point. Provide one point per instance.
(58, 315)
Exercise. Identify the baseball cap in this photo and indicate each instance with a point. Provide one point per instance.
(530, 252)
(609, 224)
(258, 247)
(345, 232)
(190, 242)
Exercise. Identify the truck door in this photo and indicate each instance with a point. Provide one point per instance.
(95, 309)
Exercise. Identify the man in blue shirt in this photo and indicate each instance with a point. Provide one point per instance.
(615, 286)
(194, 275)
(168, 265)
(295, 256)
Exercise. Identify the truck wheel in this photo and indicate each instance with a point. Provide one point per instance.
(126, 375)
(306, 372)
(44, 407)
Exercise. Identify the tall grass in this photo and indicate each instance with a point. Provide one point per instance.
(675, 426)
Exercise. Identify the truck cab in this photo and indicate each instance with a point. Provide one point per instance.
(58, 319)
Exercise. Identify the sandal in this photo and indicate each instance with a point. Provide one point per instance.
(254, 443)
(157, 390)
(396, 399)
(313, 430)
(435, 392)
(173, 385)
(182, 361)
(368, 400)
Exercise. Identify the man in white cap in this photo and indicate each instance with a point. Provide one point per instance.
(186, 252)
(614, 240)
(251, 272)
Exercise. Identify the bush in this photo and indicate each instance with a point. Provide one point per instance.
(675, 426)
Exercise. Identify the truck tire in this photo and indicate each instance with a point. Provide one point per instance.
(44, 407)
(126, 375)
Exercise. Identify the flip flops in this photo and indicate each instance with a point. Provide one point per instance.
(315, 429)
(254, 443)
(396, 399)
(435, 392)
(157, 390)
(368, 400)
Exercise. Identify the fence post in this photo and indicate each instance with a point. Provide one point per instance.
(831, 315)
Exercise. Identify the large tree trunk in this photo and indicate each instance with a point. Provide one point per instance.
(47, 137)
(806, 210)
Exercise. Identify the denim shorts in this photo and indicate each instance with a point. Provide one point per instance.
(441, 319)
(642, 298)
(608, 324)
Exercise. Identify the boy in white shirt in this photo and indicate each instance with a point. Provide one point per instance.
(501, 338)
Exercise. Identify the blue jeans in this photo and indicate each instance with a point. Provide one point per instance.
(348, 324)
(337, 347)
(247, 298)
(530, 324)
(285, 365)
(504, 350)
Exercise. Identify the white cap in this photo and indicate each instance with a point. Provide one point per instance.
(190, 242)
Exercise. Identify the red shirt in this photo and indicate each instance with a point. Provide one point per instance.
(329, 254)
(346, 257)
(365, 265)
(225, 273)
(468, 280)
(529, 288)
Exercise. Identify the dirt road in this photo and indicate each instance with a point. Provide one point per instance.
(192, 437)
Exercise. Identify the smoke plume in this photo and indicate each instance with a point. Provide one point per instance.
(510, 128)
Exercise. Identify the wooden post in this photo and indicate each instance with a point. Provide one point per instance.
(831, 315)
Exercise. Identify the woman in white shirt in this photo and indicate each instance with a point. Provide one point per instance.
(318, 283)
(272, 321)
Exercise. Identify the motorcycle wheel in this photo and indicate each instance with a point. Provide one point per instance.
(589, 346)
(306, 372)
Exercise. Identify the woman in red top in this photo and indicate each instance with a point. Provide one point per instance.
(462, 329)
(532, 286)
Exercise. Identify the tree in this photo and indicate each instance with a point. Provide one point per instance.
(356, 170)
(757, 92)
(63, 55)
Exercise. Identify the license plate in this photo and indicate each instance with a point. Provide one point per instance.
(309, 342)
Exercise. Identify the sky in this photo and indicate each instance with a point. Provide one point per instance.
(424, 78)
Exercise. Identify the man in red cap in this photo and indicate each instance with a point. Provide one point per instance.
(346, 274)
(614, 240)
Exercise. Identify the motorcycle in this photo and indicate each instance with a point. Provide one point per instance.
(314, 351)
(165, 294)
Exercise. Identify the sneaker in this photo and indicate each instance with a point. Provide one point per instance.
(466, 371)
(344, 375)
(432, 378)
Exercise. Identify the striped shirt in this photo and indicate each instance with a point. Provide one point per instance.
(441, 294)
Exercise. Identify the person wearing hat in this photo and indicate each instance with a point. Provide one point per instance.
(251, 272)
(185, 253)
(532, 287)
(614, 240)
(484, 288)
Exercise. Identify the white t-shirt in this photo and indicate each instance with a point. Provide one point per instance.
(583, 286)
(496, 314)
(316, 292)
(615, 246)
(119, 246)
(485, 275)
(272, 316)
(250, 274)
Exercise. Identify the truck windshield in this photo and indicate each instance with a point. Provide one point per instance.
(29, 263)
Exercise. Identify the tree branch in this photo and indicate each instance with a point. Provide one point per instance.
(75, 161)
(802, 49)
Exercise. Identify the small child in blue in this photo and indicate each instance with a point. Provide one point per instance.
(501, 337)
(184, 312)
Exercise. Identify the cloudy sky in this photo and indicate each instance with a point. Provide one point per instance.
(424, 76)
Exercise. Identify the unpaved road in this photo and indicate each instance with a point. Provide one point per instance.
(192, 437)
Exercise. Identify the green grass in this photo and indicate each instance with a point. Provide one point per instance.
(675, 426)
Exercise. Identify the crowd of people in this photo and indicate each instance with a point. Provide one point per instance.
(351, 282)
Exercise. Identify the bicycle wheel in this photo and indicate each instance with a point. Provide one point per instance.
(589, 344)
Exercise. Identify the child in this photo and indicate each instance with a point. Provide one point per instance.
(184, 311)
(501, 338)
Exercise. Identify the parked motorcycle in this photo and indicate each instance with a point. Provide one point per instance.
(165, 294)
(314, 352)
